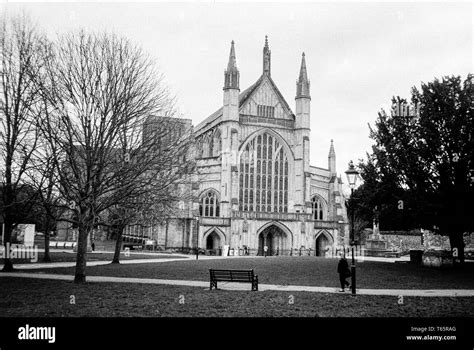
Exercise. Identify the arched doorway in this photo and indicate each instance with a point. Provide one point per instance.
(322, 244)
(213, 243)
(275, 239)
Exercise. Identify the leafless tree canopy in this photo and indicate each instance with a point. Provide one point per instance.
(108, 121)
(88, 123)
(19, 97)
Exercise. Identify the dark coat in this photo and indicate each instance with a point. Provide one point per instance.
(343, 267)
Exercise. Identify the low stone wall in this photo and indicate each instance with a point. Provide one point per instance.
(437, 258)
(430, 240)
(421, 240)
(402, 243)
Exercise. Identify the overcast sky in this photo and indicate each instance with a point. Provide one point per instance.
(358, 55)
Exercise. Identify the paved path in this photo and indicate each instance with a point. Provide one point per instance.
(261, 287)
(169, 258)
(52, 265)
(172, 257)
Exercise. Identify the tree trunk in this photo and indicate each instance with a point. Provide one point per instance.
(7, 265)
(81, 259)
(118, 246)
(46, 257)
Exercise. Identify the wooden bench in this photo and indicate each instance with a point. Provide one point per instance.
(132, 246)
(233, 276)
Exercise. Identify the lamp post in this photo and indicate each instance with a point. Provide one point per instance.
(352, 175)
(197, 238)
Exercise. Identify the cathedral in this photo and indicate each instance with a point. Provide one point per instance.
(256, 187)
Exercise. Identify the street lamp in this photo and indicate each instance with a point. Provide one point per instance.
(352, 175)
(197, 238)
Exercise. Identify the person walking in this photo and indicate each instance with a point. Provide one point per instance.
(265, 249)
(344, 272)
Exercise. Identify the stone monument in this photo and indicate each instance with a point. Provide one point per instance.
(375, 245)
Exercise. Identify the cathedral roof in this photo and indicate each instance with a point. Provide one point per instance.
(243, 97)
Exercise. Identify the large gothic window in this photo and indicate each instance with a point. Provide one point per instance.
(263, 176)
(317, 205)
(209, 204)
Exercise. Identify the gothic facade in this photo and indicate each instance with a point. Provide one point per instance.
(255, 184)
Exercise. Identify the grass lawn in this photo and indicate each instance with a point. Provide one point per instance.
(24, 297)
(94, 256)
(310, 271)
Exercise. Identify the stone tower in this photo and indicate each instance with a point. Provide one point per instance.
(229, 133)
(302, 131)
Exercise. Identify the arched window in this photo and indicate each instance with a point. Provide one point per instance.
(317, 206)
(263, 176)
(210, 143)
(199, 149)
(205, 146)
(209, 205)
(217, 145)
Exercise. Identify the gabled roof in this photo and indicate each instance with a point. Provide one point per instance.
(243, 97)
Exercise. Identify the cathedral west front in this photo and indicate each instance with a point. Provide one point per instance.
(254, 186)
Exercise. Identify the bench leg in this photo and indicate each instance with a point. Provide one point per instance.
(255, 285)
(213, 284)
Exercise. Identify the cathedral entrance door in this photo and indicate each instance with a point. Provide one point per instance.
(321, 244)
(213, 243)
(274, 238)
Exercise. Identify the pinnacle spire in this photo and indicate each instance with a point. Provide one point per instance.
(331, 149)
(231, 74)
(332, 158)
(232, 62)
(303, 72)
(266, 57)
(302, 85)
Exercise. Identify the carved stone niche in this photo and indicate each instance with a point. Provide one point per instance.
(245, 225)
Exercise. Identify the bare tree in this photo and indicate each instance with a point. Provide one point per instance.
(19, 96)
(161, 200)
(100, 91)
(43, 178)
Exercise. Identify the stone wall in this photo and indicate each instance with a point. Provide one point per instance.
(432, 241)
(437, 258)
(402, 242)
(423, 240)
